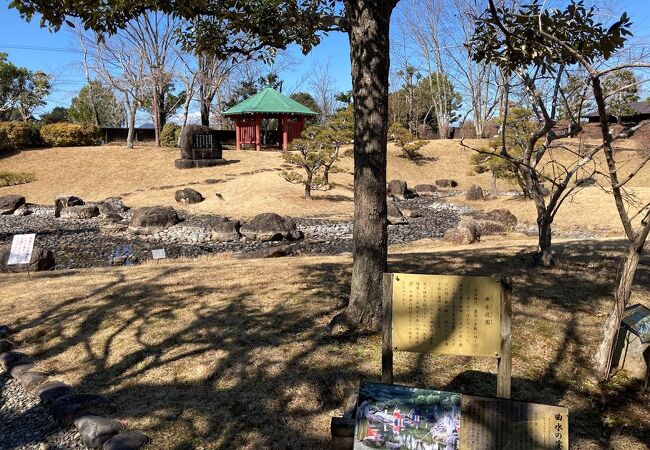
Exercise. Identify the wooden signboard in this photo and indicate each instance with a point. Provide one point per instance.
(448, 314)
(498, 423)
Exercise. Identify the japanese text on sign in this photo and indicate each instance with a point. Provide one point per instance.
(499, 423)
(447, 314)
(22, 247)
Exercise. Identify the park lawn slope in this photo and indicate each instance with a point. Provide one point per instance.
(220, 353)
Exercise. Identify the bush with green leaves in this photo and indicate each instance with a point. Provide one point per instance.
(15, 135)
(13, 178)
(64, 134)
(169, 135)
(307, 153)
(405, 141)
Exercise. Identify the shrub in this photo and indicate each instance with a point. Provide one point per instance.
(14, 135)
(12, 178)
(65, 134)
(169, 135)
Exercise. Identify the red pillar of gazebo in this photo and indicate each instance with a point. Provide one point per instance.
(238, 132)
(258, 132)
(285, 132)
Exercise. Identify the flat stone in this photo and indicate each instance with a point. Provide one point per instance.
(19, 369)
(475, 192)
(189, 196)
(153, 219)
(225, 231)
(10, 359)
(95, 430)
(446, 183)
(128, 440)
(50, 391)
(271, 227)
(32, 379)
(64, 201)
(70, 407)
(79, 212)
(10, 203)
(425, 189)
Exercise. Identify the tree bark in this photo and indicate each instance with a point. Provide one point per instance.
(205, 111)
(368, 31)
(308, 182)
(132, 107)
(544, 252)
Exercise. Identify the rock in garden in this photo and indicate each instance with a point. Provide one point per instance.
(446, 183)
(395, 216)
(79, 212)
(151, 219)
(271, 227)
(65, 201)
(4, 331)
(505, 220)
(425, 190)
(112, 206)
(19, 369)
(23, 210)
(32, 379)
(6, 345)
(397, 189)
(68, 408)
(412, 213)
(277, 251)
(50, 391)
(189, 196)
(42, 259)
(11, 359)
(225, 231)
(95, 430)
(10, 203)
(475, 192)
(465, 233)
(128, 440)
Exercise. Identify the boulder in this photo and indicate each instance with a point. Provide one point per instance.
(32, 379)
(225, 231)
(112, 205)
(79, 212)
(68, 408)
(42, 259)
(495, 221)
(446, 183)
(65, 201)
(276, 251)
(397, 189)
(11, 359)
(6, 345)
(412, 213)
(95, 430)
(128, 440)
(19, 369)
(475, 192)
(395, 216)
(271, 227)
(151, 219)
(50, 391)
(189, 196)
(425, 190)
(23, 210)
(113, 223)
(467, 232)
(10, 203)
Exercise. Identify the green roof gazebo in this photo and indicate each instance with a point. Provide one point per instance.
(268, 104)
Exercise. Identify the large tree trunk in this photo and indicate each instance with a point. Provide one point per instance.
(205, 112)
(623, 291)
(544, 252)
(369, 53)
(132, 108)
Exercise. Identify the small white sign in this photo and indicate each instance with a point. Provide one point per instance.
(21, 249)
(158, 253)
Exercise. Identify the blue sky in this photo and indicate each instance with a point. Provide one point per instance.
(30, 46)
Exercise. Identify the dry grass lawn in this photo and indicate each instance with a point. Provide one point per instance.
(219, 353)
(251, 183)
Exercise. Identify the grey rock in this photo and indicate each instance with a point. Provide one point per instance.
(11, 359)
(225, 231)
(95, 430)
(50, 391)
(32, 379)
(271, 227)
(397, 189)
(6, 345)
(4, 331)
(151, 219)
(475, 192)
(79, 212)
(10, 203)
(64, 201)
(504, 220)
(189, 196)
(128, 440)
(70, 407)
(426, 189)
(446, 183)
(395, 216)
(23, 211)
(112, 205)
(17, 370)
(42, 259)
(466, 232)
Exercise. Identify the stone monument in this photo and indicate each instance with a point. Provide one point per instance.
(200, 147)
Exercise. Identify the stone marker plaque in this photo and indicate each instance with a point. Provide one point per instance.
(22, 247)
(637, 320)
(446, 314)
(498, 423)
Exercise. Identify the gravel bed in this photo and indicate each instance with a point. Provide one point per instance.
(80, 243)
(26, 424)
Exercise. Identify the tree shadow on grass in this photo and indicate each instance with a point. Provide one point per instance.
(247, 363)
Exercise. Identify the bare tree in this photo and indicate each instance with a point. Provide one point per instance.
(323, 88)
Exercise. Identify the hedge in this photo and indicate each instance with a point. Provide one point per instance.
(64, 134)
(15, 135)
(169, 135)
